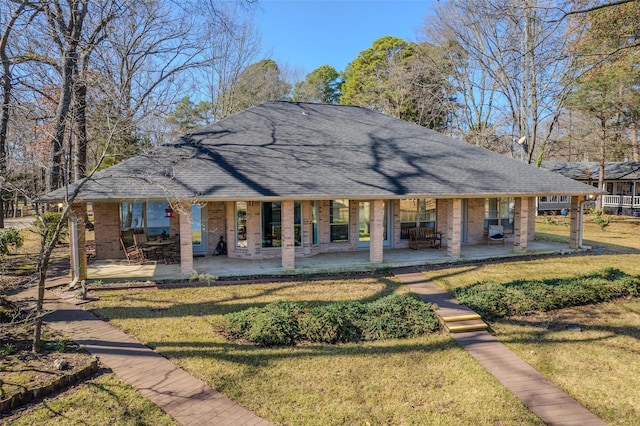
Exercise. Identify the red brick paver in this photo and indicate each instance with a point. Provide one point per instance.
(542, 397)
(187, 399)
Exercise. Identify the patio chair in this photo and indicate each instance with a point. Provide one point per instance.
(139, 240)
(133, 253)
(174, 250)
(496, 234)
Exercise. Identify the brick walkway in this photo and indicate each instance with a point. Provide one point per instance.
(542, 397)
(187, 399)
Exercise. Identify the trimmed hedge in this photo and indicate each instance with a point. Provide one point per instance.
(287, 323)
(522, 297)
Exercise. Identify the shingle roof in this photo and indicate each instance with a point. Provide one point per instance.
(280, 150)
(591, 170)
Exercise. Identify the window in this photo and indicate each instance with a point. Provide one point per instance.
(147, 217)
(272, 224)
(241, 224)
(339, 221)
(314, 222)
(499, 211)
(415, 213)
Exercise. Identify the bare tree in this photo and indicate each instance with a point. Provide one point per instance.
(13, 13)
(513, 66)
(232, 44)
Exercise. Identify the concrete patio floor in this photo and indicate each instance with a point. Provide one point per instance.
(223, 266)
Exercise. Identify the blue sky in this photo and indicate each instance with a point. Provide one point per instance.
(309, 33)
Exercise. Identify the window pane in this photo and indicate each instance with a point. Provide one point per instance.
(131, 216)
(314, 221)
(271, 225)
(340, 233)
(241, 224)
(157, 222)
(297, 223)
(416, 212)
(499, 211)
(339, 221)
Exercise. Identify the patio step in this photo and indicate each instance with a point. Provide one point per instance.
(457, 321)
(465, 326)
(461, 317)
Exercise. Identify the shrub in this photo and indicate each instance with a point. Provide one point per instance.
(276, 324)
(335, 323)
(51, 219)
(9, 237)
(285, 323)
(601, 219)
(492, 300)
(394, 317)
(238, 323)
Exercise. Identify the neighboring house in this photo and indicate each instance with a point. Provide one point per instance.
(621, 183)
(287, 180)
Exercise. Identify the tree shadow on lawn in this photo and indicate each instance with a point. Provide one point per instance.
(546, 331)
(260, 357)
(161, 308)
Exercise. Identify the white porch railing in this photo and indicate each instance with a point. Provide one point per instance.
(627, 201)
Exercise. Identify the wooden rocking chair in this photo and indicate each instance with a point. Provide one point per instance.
(133, 253)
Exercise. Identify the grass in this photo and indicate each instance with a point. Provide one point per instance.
(409, 381)
(429, 379)
(103, 400)
(598, 364)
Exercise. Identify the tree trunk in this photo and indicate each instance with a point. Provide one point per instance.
(6, 101)
(70, 37)
(62, 112)
(603, 159)
(80, 151)
(634, 141)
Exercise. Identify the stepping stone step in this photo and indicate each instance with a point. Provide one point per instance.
(465, 326)
(460, 317)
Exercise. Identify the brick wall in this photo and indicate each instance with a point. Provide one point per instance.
(475, 221)
(216, 224)
(107, 231)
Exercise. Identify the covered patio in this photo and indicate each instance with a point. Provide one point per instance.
(223, 266)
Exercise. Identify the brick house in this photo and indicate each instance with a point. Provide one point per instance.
(287, 180)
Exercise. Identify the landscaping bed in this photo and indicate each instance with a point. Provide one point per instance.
(25, 375)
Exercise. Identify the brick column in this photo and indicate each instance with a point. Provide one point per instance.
(521, 225)
(254, 229)
(288, 236)
(78, 241)
(376, 231)
(454, 208)
(575, 228)
(186, 239)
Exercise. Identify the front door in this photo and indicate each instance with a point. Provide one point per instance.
(364, 234)
(199, 229)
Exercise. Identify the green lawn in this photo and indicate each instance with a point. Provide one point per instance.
(597, 365)
(426, 380)
(413, 381)
(104, 400)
